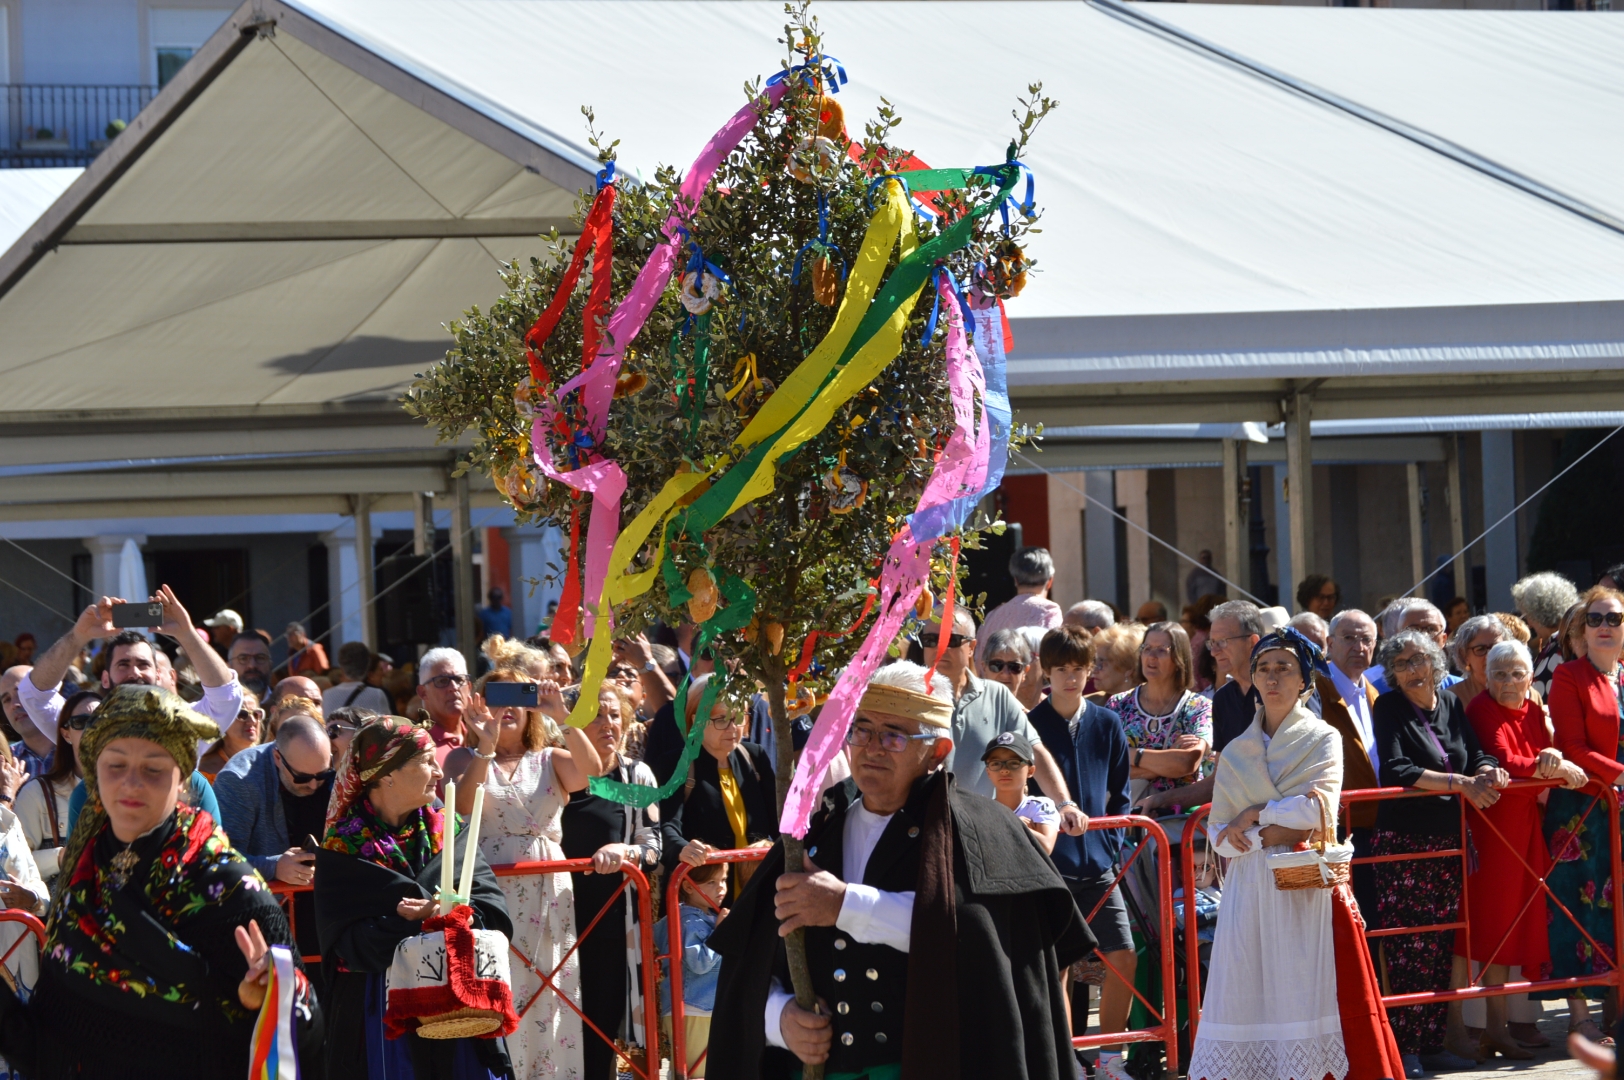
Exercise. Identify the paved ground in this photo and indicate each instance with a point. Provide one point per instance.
(1552, 1063)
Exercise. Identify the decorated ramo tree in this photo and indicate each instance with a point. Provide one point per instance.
(736, 389)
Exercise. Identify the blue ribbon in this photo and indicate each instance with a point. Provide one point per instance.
(939, 274)
(1025, 206)
(820, 244)
(834, 74)
(606, 175)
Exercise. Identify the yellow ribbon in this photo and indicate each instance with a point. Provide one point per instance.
(800, 394)
(745, 372)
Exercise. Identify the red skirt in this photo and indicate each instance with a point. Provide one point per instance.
(1367, 1036)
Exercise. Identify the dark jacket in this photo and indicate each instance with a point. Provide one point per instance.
(1016, 928)
(1407, 744)
(355, 915)
(1095, 765)
(700, 815)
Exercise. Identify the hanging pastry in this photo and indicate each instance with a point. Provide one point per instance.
(831, 119)
(775, 637)
(925, 604)
(519, 483)
(699, 291)
(526, 398)
(704, 597)
(847, 491)
(825, 281)
(629, 382)
(816, 158)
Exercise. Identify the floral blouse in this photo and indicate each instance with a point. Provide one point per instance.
(1191, 716)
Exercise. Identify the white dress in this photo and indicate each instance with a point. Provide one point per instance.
(1270, 1008)
(521, 824)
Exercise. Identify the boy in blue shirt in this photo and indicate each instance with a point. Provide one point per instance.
(700, 964)
(1091, 750)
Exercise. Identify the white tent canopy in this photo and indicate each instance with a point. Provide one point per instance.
(266, 256)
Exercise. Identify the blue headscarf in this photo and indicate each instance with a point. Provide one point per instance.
(1309, 657)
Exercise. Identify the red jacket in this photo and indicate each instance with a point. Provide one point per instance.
(1584, 711)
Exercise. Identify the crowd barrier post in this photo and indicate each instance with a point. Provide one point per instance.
(632, 877)
(1194, 825)
(1612, 977)
(674, 947)
(1165, 1029)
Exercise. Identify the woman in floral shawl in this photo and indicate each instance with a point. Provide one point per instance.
(156, 946)
(376, 878)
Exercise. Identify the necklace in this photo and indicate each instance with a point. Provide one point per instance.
(123, 866)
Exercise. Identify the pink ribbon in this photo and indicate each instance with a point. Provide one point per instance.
(962, 467)
(604, 480)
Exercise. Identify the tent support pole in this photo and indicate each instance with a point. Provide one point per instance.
(462, 559)
(364, 570)
(1457, 518)
(422, 523)
(1237, 519)
(1300, 487)
(1412, 474)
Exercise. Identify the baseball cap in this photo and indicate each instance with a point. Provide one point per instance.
(1012, 740)
(225, 617)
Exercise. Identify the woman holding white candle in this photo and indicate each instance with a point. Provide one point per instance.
(508, 772)
(380, 873)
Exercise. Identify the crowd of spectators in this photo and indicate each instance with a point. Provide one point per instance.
(1061, 715)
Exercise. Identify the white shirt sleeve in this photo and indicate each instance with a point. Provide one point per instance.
(222, 703)
(1295, 812)
(1225, 848)
(777, 998)
(42, 706)
(875, 917)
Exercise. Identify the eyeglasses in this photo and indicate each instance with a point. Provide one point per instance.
(1480, 650)
(1007, 765)
(334, 727)
(1014, 667)
(930, 641)
(892, 742)
(446, 682)
(80, 721)
(1223, 642)
(1156, 652)
(1611, 618)
(722, 723)
(1515, 675)
(304, 777)
(1414, 663)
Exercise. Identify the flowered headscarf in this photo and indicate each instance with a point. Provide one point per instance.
(381, 746)
(1309, 657)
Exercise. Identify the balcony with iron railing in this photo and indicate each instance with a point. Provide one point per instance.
(44, 125)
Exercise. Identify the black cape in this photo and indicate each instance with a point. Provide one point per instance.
(359, 929)
(999, 1013)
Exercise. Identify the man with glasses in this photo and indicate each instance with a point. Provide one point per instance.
(984, 710)
(250, 657)
(273, 798)
(443, 684)
(1347, 698)
(899, 856)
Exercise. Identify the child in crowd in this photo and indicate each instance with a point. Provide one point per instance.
(1010, 765)
(700, 911)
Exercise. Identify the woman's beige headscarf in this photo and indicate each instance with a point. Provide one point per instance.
(1305, 755)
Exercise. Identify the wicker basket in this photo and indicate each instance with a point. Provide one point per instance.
(1322, 866)
(460, 1024)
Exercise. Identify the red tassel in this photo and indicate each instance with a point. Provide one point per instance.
(947, 610)
(562, 631)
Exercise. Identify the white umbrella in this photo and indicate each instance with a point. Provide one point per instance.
(132, 574)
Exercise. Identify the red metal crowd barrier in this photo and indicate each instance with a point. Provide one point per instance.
(1613, 976)
(1165, 1029)
(633, 878)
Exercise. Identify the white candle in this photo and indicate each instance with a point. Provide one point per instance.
(448, 846)
(465, 888)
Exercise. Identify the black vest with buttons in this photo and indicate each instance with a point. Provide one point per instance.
(865, 985)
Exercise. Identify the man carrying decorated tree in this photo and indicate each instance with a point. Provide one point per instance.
(898, 858)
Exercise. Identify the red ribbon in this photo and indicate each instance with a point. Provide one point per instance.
(562, 630)
(947, 611)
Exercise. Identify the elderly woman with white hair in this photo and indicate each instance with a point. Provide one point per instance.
(1424, 741)
(1507, 929)
(1542, 599)
(1469, 649)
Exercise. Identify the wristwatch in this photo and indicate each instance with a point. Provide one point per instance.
(1138, 756)
(1068, 802)
(486, 757)
(650, 665)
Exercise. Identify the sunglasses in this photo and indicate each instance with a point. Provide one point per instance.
(304, 777)
(80, 721)
(1014, 667)
(930, 641)
(334, 728)
(1611, 618)
(623, 674)
(446, 682)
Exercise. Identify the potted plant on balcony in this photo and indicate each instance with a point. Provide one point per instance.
(44, 141)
